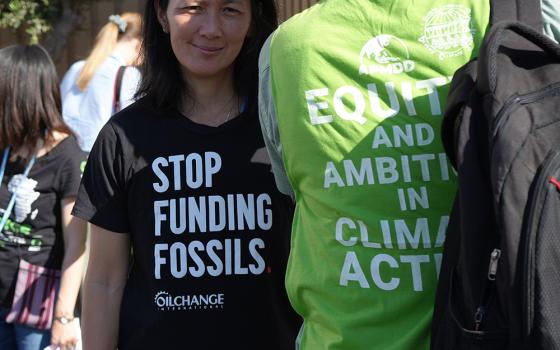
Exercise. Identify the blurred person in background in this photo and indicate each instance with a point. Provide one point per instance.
(88, 87)
(41, 244)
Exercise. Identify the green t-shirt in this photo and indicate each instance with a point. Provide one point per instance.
(358, 89)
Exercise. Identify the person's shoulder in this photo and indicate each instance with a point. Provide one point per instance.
(295, 22)
(137, 116)
(67, 142)
(131, 78)
(66, 147)
(74, 69)
(133, 128)
(132, 71)
(106, 71)
(296, 31)
(142, 108)
(70, 76)
(78, 65)
(309, 22)
(299, 17)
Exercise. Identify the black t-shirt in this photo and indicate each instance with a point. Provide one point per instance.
(209, 231)
(34, 230)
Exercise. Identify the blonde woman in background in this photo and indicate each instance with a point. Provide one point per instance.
(88, 87)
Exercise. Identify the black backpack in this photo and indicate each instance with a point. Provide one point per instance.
(499, 284)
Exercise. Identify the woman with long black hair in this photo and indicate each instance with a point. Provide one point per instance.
(182, 177)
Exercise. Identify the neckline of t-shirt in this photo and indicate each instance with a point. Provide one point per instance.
(55, 149)
(191, 125)
(50, 152)
(47, 156)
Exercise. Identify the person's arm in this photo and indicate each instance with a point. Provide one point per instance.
(74, 236)
(70, 78)
(103, 288)
(269, 124)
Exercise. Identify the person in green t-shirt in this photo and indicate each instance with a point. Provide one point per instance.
(352, 94)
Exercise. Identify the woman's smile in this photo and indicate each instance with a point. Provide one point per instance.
(208, 49)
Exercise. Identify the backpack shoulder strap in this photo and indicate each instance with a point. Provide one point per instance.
(117, 89)
(460, 91)
(496, 37)
(525, 11)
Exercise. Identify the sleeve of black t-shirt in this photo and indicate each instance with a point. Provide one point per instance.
(102, 194)
(70, 173)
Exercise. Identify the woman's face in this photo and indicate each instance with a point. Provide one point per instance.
(206, 35)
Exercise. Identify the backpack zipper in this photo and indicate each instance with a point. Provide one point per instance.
(543, 181)
(518, 100)
(485, 298)
(493, 265)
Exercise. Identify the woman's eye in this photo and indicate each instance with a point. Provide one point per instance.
(192, 9)
(231, 10)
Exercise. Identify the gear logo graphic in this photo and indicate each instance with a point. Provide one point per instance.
(161, 298)
(448, 31)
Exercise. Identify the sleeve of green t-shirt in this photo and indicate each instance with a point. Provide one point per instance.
(551, 18)
(269, 125)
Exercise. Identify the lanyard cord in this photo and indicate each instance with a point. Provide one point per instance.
(12, 201)
(4, 162)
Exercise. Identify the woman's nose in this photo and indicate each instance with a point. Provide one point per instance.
(211, 25)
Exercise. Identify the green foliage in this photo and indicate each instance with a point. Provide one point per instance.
(35, 16)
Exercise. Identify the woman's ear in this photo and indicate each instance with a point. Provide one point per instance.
(162, 17)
